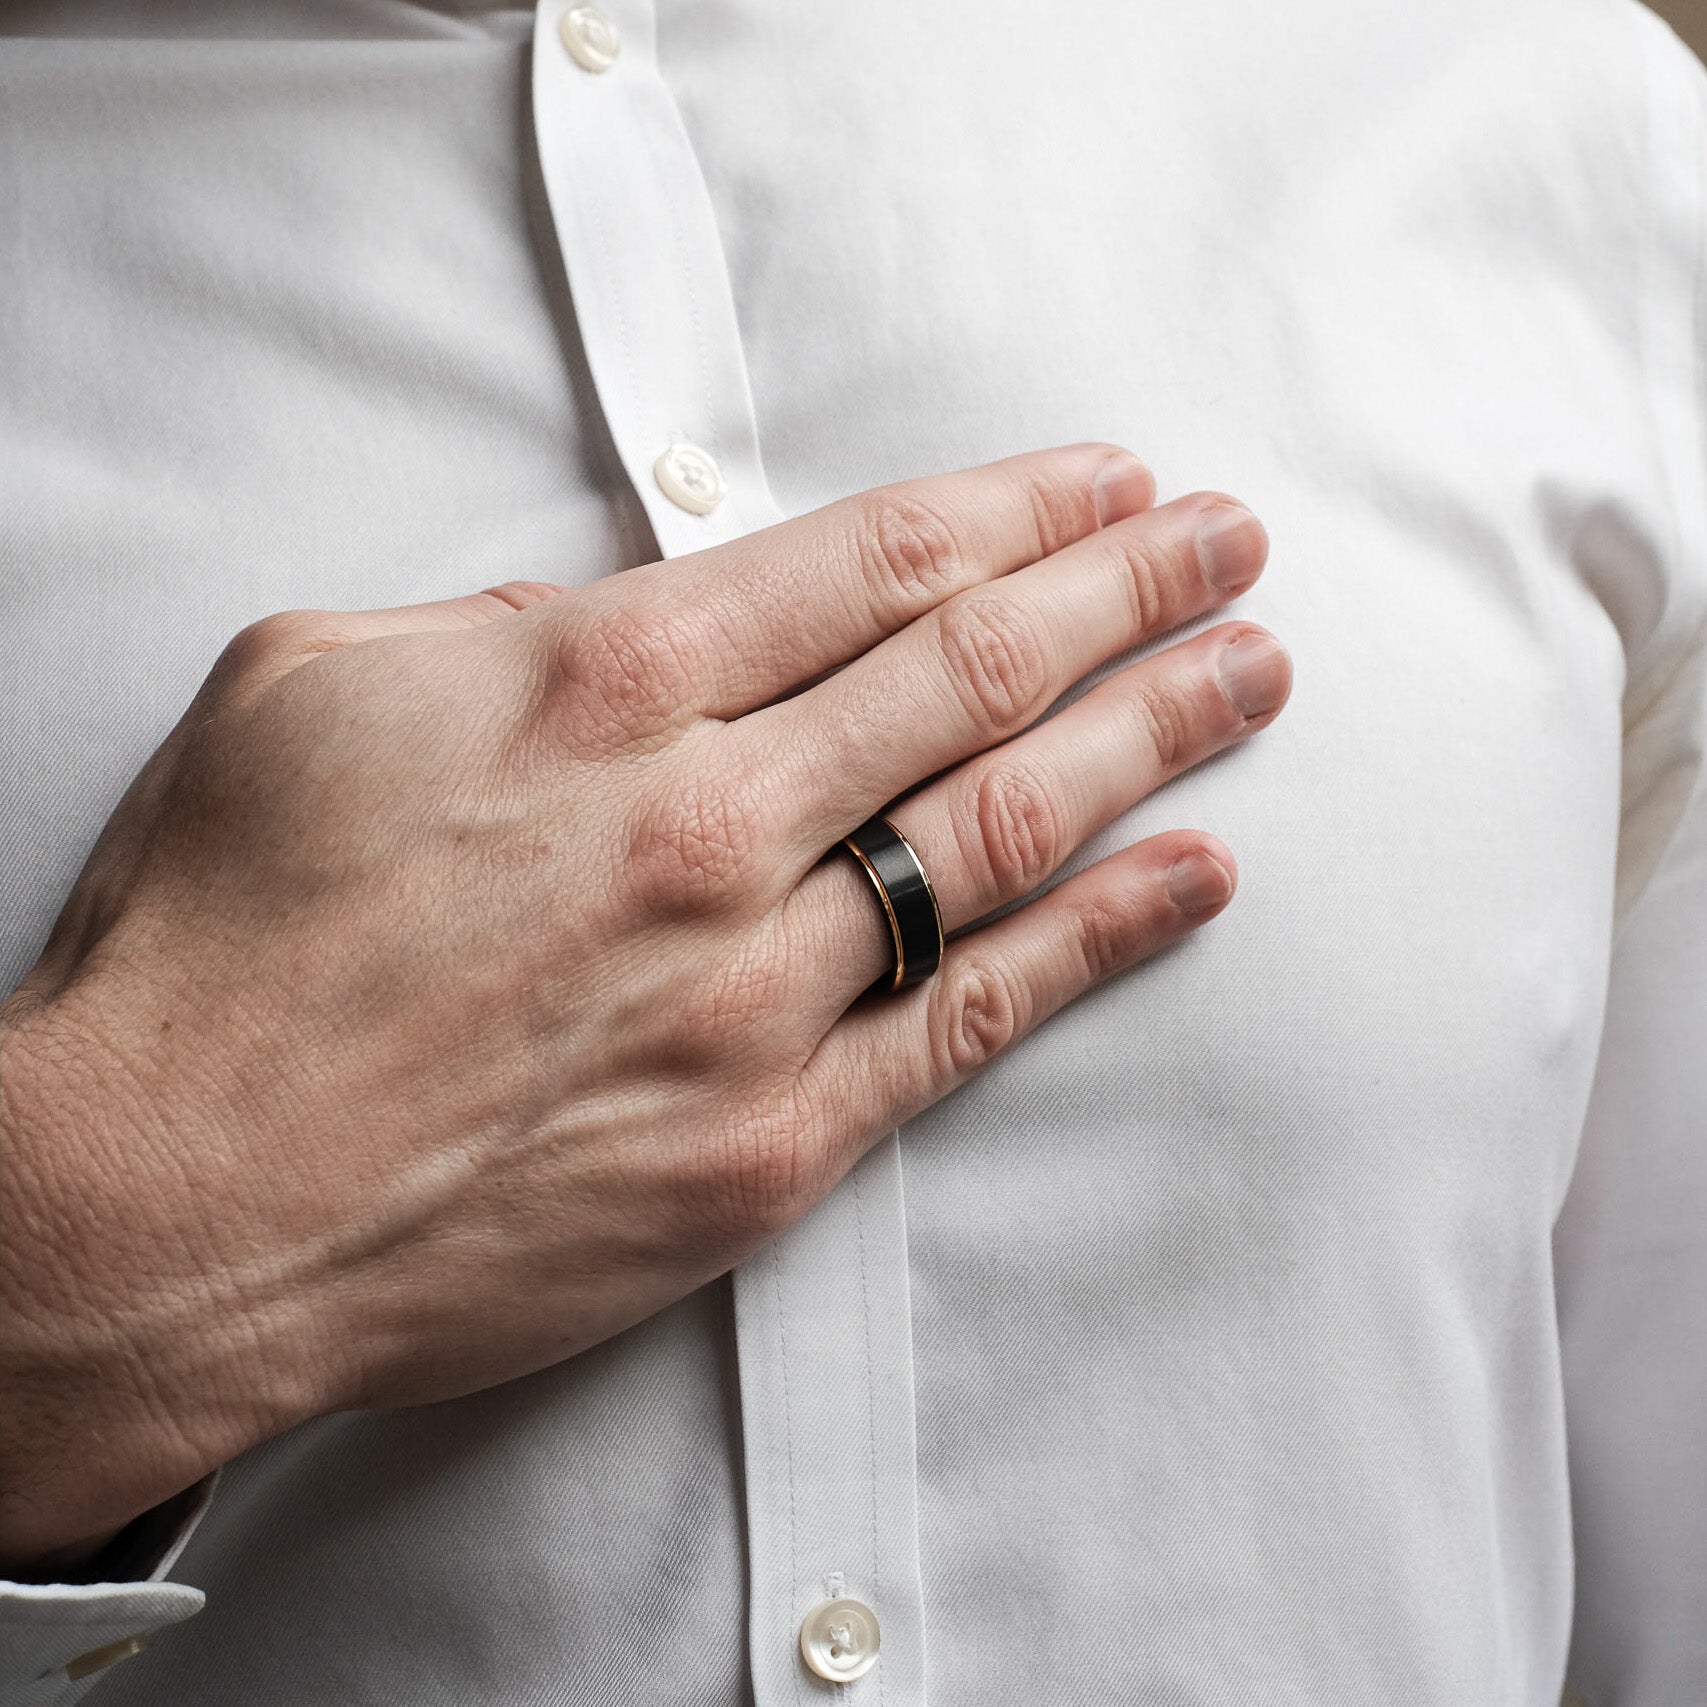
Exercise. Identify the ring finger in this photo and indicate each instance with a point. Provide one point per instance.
(995, 828)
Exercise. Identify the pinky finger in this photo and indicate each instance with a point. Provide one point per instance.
(899, 1054)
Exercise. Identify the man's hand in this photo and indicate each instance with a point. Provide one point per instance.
(458, 985)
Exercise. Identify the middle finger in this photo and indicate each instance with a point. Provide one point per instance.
(988, 662)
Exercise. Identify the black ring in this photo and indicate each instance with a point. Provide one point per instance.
(909, 902)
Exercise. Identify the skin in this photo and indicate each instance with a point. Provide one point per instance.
(459, 985)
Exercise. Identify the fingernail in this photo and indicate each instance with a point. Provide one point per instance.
(1255, 672)
(1232, 546)
(1123, 487)
(1197, 882)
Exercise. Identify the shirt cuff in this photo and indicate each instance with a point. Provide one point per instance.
(58, 1639)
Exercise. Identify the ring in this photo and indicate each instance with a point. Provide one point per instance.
(909, 902)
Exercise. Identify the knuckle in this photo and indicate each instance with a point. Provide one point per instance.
(995, 660)
(1107, 936)
(1167, 724)
(1151, 575)
(1062, 511)
(976, 1015)
(519, 595)
(910, 550)
(698, 850)
(271, 640)
(638, 662)
(1018, 828)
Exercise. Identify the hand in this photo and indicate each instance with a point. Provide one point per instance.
(459, 985)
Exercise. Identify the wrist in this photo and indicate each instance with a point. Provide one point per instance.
(127, 1363)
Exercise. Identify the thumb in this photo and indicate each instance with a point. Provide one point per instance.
(469, 610)
(276, 645)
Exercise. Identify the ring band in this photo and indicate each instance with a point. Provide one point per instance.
(909, 902)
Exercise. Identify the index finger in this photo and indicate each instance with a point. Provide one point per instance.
(776, 609)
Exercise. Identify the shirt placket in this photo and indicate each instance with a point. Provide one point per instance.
(822, 1314)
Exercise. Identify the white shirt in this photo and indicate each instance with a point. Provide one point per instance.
(1208, 1348)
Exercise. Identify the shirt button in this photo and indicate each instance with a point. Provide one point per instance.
(590, 37)
(690, 478)
(839, 1640)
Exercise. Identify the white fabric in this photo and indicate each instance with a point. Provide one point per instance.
(47, 1625)
(1214, 1349)
(824, 1321)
